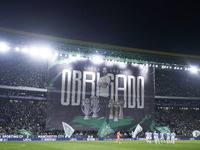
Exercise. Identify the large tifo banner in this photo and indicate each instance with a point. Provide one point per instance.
(86, 93)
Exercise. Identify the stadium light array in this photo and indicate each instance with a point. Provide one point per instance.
(46, 52)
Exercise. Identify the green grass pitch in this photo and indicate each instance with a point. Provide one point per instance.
(97, 145)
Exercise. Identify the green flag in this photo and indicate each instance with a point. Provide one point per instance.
(104, 130)
(28, 133)
(164, 129)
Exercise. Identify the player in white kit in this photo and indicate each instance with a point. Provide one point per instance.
(173, 137)
(156, 139)
(162, 137)
(147, 136)
(168, 137)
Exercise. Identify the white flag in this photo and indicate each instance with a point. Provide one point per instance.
(68, 129)
(196, 133)
(138, 129)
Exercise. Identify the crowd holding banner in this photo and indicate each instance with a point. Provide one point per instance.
(81, 92)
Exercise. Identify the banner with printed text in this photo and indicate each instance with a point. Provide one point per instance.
(85, 93)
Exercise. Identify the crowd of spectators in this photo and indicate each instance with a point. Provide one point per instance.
(24, 93)
(181, 121)
(20, 70)
(30, 115)
(180, 83)
(177, 102)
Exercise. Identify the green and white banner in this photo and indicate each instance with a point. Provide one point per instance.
(68, 129)
(138, 129)
(25, 132)
(164, 129)
(104, 130)
(196, 133)
(80, 91)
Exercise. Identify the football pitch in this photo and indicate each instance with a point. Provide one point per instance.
(97, 145)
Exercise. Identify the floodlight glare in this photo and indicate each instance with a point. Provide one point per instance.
(45, 52)
(25, 50)
(193, 69)
(97, 59)
(3, 47)
(17, 48)
(78, 56)
(33, 51)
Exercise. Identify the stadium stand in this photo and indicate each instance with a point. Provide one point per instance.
(29, 110)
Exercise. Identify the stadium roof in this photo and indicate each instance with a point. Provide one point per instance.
(109, 52)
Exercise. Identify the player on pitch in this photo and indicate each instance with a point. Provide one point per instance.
(118, 137)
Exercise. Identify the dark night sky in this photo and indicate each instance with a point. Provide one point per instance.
(162, 25)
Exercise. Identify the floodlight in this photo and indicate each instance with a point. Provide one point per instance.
(45, 52)
(78, 56)
(25, 49)
(97, 59)
(3, 47)
(17, 48)
(193, 69)
(33, 51)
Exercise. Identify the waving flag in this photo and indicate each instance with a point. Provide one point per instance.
(138, 129)
(196, 133)
(68, 129)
